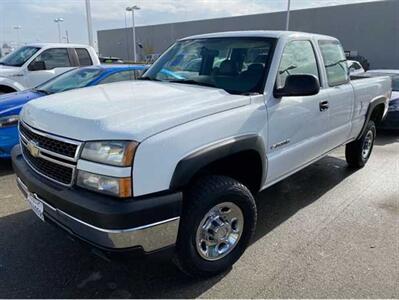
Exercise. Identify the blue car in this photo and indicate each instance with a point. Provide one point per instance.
(11, 104)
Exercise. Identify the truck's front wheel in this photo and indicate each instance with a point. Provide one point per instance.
(218, 221)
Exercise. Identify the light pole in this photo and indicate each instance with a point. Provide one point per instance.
(287, 24)
(89, 23)
(132, 9)
(58, 21)
(17, 28)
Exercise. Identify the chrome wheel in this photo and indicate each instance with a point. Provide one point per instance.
(219, 231)
(367, 144)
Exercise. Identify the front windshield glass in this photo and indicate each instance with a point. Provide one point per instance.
(237, 65)
(18, 57)
(74, 79)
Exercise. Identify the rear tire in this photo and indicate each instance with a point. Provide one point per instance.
(358, 152)
(218, 222)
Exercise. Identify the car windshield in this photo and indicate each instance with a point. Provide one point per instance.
(74, 79)
(19, 57)
(237, 65)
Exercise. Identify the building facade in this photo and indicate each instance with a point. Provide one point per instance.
(369, 29)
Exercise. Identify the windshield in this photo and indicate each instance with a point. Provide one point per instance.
(74, 79)
(237, 65)
(19, 56)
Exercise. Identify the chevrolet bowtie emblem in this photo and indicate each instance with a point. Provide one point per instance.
(33, 148)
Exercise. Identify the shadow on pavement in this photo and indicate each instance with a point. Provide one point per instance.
(38, 262)
(5, 167)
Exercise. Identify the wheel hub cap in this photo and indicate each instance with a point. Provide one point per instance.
(219, 231)
(368, 143)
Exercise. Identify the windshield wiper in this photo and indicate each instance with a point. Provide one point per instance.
(148, 78)
(190, 81)
(42, 91)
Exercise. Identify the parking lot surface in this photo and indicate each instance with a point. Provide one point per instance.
(327, 231)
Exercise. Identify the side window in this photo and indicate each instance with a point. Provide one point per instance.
(121, 76)
(298, 58)
(54, 58)
(84, 57)
(334, 62)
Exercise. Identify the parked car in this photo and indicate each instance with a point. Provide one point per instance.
(11, 104)
(110, 60)
(34, 64)
(160, 163)
(355, 67)
(392, 119)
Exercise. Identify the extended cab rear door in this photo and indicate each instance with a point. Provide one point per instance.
(296, 125)
(341, 95)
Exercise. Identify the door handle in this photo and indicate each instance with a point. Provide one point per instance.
(323, 105)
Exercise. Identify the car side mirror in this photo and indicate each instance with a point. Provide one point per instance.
(38, 65)
(298, 85)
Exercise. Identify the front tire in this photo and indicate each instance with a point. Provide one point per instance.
(358, 152)
(218, 222)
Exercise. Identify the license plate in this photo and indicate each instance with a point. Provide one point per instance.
(36, 205)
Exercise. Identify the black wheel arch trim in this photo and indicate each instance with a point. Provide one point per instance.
(188, 167)
(373, 104)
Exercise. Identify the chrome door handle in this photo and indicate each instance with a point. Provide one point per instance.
(323, 105)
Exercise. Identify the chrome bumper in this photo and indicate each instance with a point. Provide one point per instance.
(150, 237)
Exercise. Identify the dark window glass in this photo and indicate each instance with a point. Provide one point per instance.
(298, 58)
(54, 58)
(121, 76)
(334, 62)
(84, 57)
(237, 65)
(19, 57)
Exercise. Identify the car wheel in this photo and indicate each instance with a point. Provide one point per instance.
(219, 219)
(358, 152)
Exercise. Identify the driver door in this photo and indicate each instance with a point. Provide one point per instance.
(297, 124)
(56, 61)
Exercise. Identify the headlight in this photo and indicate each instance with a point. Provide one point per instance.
(116, 153)
(9, 121)
(119, 187)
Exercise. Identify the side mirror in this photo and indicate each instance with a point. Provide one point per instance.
(37, 66)
(298, 85)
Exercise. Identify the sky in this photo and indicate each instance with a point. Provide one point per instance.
(36, 17)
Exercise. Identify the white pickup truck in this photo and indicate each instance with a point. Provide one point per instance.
(34, 64)
(175, 159)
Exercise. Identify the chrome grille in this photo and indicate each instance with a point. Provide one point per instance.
(54, 145)
(53, 157)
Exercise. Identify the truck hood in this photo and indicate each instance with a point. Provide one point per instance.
(6, 71)
(131, 110)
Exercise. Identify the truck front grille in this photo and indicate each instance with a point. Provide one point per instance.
(53, 157)
(50, 144)
(49, 169)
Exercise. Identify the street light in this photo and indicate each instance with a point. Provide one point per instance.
(58, 21)
(89, 23)
(287, 24)
(132, 9)
(17, 28)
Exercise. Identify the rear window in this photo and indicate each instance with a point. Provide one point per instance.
(334, 62)
(84, 57)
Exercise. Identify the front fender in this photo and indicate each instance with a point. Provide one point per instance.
(11, 84)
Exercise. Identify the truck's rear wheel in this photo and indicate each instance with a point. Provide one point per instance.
(218, 222)
(358, 152)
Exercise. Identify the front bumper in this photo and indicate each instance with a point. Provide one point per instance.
(150, 223)
(8, 139)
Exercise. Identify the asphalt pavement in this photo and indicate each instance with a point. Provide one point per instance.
(325, 232)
